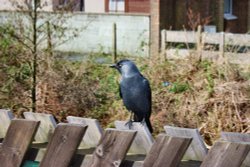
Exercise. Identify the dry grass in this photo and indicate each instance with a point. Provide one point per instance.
(217, 98)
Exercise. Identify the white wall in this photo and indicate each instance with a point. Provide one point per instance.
(96, 32)
(95, 6)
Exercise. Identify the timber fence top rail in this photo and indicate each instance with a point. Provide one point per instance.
(209, 38)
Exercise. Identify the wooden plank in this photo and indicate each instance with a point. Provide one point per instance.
(5, 118)
(93, 133)
(225, 154)
(143, 139)
(112, 148)
(181, 36)
(237, 39)
(63, 145)
(197, 149)
(211, 38)
(16, 142)
(46, 128)
(238, 137)
(167, 151)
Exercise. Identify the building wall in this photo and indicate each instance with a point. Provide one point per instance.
(138, 6)
(94, 6)
(240, 9)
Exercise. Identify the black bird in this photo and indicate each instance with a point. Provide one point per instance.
(135, 92)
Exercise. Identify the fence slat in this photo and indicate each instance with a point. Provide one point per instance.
(197, 149)
(5, 118)
(46, 128)
(63, 145)
(112, 148)
(143, 139)
(167, 151)
(93, 133)
(237, 137)
(225, 154)
(16, 142)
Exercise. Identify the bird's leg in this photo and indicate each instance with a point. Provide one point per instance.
(130, 122)
(143, 122)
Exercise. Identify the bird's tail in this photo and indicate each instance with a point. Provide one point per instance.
(149, 125)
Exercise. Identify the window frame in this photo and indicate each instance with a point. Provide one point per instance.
(230, 6)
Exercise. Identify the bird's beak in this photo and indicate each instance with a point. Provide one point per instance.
(113, 66)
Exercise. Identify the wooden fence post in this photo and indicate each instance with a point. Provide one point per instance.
(112, 148)
(163, 43)
(222, 45)
(199, 43)
(224, 154)
(114, 43)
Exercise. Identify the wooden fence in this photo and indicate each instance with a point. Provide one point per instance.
(234, 47)
(83, 143)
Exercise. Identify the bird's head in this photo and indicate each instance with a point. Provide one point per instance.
(126, 68)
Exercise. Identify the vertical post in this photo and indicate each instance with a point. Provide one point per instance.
(199, 43)
(154, 27)
(220, 15)
(114, 43)
(222, 44)
(163, 44)
(248, 16)
(49, 43)
(34, 54)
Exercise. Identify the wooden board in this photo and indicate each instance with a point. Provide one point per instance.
(197, 149)
(46, 128)
(112, 148)
(143, 139)
(16, 142)
(226, 154)
(5, 118)
(238, 137)
(63, 145)
(167, 151)
(93, 133)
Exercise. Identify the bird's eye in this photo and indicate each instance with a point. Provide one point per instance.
(120, 65)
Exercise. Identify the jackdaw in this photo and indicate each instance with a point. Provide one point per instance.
(135, 92)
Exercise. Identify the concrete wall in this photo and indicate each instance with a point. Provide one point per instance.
(95, 6)
(95, 32)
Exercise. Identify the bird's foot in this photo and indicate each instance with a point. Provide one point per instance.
(143, 122)
(129, 124)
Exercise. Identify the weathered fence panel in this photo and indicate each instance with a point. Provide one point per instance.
(197, 149)
(223, 40)
(5, 118)
(238, 137)
(167, 151)
(46, 128)
(225, 154)
(93, 133)
(143, 139)
(63, 145)
(112, 148)
(16, 142)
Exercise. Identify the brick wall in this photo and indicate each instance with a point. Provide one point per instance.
(138, 6)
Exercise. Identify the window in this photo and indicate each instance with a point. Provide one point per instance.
(116, 5)
(228, 10)
(228, 6)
